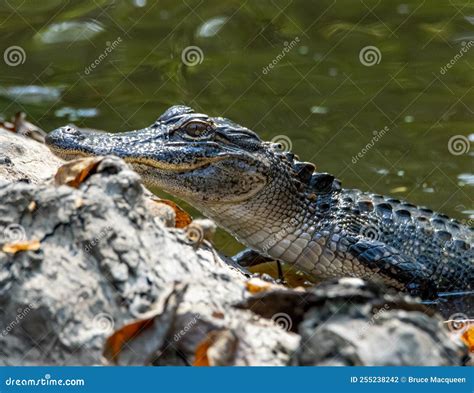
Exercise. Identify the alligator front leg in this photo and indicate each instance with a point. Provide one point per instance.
(248, 257)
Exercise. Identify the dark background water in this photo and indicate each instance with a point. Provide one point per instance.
(321, 95)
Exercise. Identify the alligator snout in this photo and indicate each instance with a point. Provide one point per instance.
(63, 135)
(66, 141)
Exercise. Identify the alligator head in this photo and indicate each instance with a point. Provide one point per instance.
(223, 169)
(193, 156)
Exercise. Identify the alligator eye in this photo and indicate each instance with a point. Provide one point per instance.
(197, 129)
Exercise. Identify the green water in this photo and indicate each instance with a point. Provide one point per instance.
(116, 65)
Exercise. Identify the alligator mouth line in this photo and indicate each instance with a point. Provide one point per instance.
(68, 153)
(165, 166)
(160, 165)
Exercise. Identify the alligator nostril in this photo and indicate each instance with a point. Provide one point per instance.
(73, 131)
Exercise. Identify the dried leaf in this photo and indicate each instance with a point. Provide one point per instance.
(73, 173)
(7, 125)
(28, 245)
(217, 349)
(218, 314)
(256, 285)
(200, 356)
(21, 126)
(183, 219)
(163, 212)
(78, 202)
(137, 342)
(468, 338)
(116, 341)
(24, 127)
(31, 206)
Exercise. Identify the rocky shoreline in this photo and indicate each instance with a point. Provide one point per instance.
(97, 273)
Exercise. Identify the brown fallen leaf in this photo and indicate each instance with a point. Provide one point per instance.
(116, 341)
(218, 314)
(24, 127)
(162, 211)
(256, 285)
(217, 349)
(28, 245)
(73, 173)
(468, 338)
(183, 219)
(21, 126)
(138, 342)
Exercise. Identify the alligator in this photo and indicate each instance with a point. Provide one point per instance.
(283, 208)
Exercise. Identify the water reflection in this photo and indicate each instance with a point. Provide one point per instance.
(319, 94)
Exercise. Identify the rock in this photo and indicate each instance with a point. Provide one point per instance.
(25, 159)
(104, 261)
(78, 264)
(349, 322)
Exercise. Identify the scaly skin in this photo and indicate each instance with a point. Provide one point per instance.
(282, 208)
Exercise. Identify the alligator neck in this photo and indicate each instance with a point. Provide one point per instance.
(273, 220)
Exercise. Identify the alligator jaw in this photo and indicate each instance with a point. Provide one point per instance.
(169, 167)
